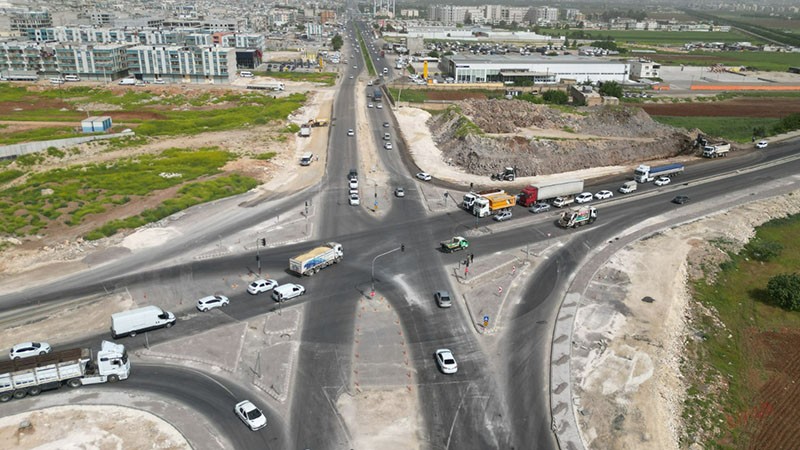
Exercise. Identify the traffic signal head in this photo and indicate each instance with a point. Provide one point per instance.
(263, 242)
(402, 247)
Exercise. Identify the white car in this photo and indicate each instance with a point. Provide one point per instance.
(379, 105)
(287, 291)
(662, 181)
(762, 144)
(159, 81)
(27, 349)
(399, 192)
(211, 302)
(350, 132)
(261, 285)
(369, 105)
(353, 183)
(502, 215)
(355, 200)
(351, 77)
(446, 361)
(250, 415)
(387, 145)
(424, 176)
(584, 197)
(602, 195)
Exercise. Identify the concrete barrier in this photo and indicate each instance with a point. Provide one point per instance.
(12, 151)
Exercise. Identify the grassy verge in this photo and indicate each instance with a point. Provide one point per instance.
(652, 37)
(736, 129)
(365, 54)
(69, 194)
(728, 354)
(326, 78)
(189, 195)
(767, 61)
(39, 134)
(408, 95)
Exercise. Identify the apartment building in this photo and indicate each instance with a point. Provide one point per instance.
(101, 62)
(182, 63)
(21, 21)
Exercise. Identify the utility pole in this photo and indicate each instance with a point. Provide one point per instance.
(259, 242)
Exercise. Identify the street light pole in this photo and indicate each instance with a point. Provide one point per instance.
(402, 248)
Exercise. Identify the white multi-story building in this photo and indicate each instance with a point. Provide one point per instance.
(543, 14)
(544, 70)
(93, 62)
(643, 68)
(181, 63)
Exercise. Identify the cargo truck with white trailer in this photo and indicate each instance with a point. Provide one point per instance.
(546, 191)
(646, 174)
(316, 259)
(129, 323)
(716, 150)
(73, 368)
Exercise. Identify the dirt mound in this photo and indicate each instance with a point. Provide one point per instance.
(483, 136)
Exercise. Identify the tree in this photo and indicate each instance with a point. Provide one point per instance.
(433, 54)
(784, 290)
(337, 42)
(555, 97)
(611, 89)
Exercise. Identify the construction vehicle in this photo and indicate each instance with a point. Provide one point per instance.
(508, 174)
(316, 259)
(73, 368)
(577, 217)
(489, 204)
(454, 245)
(305, 130)
(646, 174)
(546, 191)
(470, 197)
(317, 123)
(716, 150)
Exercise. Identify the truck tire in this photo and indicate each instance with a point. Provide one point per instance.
(34, 391)
(20, 393)
(5, 396)
(74, 382)
(113, 378)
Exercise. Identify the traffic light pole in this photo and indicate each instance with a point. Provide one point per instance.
(258, 255)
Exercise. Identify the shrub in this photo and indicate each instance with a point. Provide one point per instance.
(762, 250)
(555, 97)
(55, 152)
(784, 290)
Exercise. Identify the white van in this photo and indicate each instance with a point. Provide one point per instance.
(306, 159)
(287, 291)
(72, 78)
(127, 81)
(56, 81)
(128, 323)
(244, 74)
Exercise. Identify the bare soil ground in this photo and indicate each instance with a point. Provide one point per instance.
(739, 107)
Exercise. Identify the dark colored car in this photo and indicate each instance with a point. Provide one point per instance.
(680, 200)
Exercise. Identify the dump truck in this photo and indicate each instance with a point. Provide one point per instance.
(489, 204)
(469, 198)
(316, 259)
(546, 191)
(454, 245)
(508, 174)
(577, 217)
(716, 150)
(646, 174)
(73, 368)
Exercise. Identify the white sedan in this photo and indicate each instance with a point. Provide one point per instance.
(261, 285)
(446, 361)
(584, 197)
(602, 195)
(424, 176)
(350, 132)
(250, 415)
(369, 105)
(662, 181)
(762, 144)
(354, 200)
(387, 145)
(28, 349)
(211, 302)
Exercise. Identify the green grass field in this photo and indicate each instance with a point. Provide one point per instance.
(655, 37)
(326, 78)
(365, 54)
(768, 61)
(78, 191)
(739, 297)
(736, 129)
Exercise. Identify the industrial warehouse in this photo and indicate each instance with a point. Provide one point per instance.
(535, 69)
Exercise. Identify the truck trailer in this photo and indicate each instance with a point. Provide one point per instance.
(316, 259)
(716, 150)
(546, 191)
(646, 174)
(489, 204)
(578, 217)
(129, 323)
(73, 368)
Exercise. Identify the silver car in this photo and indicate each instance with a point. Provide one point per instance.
(540, 207)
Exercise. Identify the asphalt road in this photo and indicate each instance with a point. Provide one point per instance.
(495, 401)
